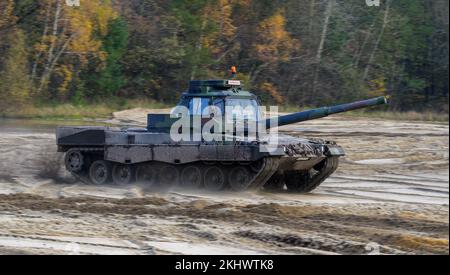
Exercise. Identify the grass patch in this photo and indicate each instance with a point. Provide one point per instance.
(70, 111)
(407, 116)
(106, 108)
(387, 115)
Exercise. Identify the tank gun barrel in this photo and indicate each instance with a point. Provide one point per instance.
(326, 111)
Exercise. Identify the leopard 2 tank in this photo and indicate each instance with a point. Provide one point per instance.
(159, 157)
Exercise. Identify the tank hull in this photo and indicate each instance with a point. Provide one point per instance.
(98, 155)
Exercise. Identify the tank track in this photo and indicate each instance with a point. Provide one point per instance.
(307, 181)
(258, 174)
(263, 173)
(263, 176)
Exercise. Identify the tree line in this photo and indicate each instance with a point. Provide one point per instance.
(296, 52)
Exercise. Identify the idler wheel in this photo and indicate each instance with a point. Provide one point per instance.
(122, 174)
(74, 161)
(191, 177)
(239, 179)
(100, 172)
(214, 179)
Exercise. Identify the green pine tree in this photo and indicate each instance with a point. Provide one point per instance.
(111, 79)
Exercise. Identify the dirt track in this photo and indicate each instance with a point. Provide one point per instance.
(390, 194)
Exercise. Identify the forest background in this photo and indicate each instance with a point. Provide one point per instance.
(59, 59)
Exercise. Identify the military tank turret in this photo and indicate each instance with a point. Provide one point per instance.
(215, 139)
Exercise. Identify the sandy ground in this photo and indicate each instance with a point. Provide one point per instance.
(390, 195)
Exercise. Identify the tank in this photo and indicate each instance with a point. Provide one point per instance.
(172, 150)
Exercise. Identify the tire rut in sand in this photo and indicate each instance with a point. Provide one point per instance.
(324, 228)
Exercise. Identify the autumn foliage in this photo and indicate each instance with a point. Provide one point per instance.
(311, 52)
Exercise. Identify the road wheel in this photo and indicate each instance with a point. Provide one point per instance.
(239, 179)
(214, 178)
(147, 174)
(296, 181)
(191, 177)
(100, 172)
(276, 183)
(169, 176)
(122, 174)
(74, 161)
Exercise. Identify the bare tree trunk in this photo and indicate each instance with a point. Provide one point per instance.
(38, 55)
(50, 56)
(364, 44)
(323, 37)
(54, 33)
(60, 52)
(378, 41)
